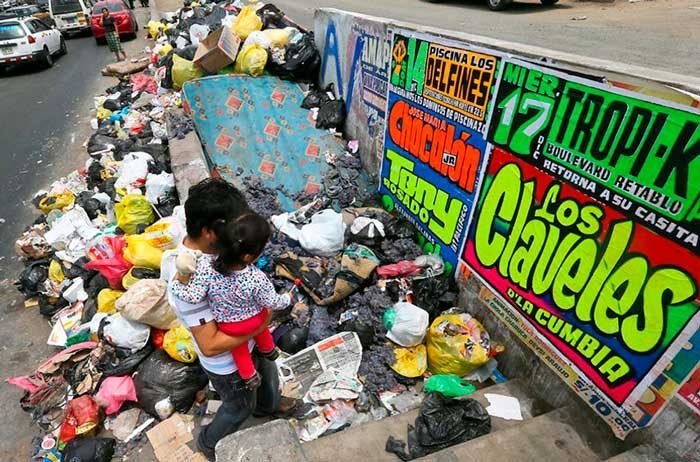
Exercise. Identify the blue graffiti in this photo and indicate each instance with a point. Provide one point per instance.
(331, 50)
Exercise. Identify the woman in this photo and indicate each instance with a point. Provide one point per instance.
(112, 35)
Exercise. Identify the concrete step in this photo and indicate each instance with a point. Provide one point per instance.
(543, 438)
(643, 453)
(367, 442)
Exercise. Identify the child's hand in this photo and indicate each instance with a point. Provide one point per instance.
(186, 261)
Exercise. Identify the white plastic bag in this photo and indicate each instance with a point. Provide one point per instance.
(325, 235)
(133, 170)
(409, 325)
(158, 186)
(125, 333)
(198, 32)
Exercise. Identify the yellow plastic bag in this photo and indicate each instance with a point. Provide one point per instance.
(106, 300)
(246, 22)
(411, 362)
(134, 210)
(165, 233)
(56, 201)
(278, 38)
(56, 272)
(457, 344)
(251, 60)
(139, 252)
(165, 49)
(177, 342)
(103, 113)
(184, 71)
(154, 28)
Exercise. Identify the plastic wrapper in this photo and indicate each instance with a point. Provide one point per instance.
(134, 213)
(449, 385)
(162, 379)
(457, 344)
(177, 342)
(146, 302)
(139, 252)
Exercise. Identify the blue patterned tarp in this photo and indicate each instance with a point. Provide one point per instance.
(255, 126)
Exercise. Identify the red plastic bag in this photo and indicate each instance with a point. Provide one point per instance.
(142, 82)
(82, 416)
(157, 336)
(107, 258)
(114, 391)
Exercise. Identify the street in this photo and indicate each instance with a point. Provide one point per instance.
(660, 34)
(45, 119)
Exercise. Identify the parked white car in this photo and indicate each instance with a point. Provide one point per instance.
(29, 40)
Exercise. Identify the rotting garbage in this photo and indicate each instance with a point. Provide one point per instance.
(92, 260)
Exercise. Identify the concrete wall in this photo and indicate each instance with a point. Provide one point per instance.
(354, 48)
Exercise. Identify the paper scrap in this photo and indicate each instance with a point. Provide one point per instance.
(504, 407)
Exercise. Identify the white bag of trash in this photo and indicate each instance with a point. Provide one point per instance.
(126, 333)
(133, 170)
(158, 186)
(325, 235)
(407, 325)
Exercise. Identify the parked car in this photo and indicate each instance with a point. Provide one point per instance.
(123, 16)
(28, 10)
(498, 5)
(25, 40)
(71, 16)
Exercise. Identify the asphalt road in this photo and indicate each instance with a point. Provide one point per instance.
(44, 120)
(660, 34)
(44, 115)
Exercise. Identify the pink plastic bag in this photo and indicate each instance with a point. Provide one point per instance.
(142, 82)
(114, 391)
(107, 258)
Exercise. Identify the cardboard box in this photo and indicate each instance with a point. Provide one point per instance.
(218, 50)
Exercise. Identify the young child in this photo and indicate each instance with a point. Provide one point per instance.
(239, 293)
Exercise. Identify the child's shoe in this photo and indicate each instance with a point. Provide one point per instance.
(271, 355)
(253, 381)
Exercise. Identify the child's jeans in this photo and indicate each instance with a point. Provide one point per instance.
(263, 340)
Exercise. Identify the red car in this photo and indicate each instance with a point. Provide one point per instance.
(124, 17)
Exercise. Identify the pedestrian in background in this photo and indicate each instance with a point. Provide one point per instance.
(112, 35)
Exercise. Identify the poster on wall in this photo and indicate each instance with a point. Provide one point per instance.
(434, 144)
(689, 393)
(586, 229)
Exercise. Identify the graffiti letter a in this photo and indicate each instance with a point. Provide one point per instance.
(330, 48)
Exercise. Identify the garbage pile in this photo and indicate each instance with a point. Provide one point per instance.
(374, 312)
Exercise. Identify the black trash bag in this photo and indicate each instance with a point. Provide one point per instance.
(96, 284)
(78, 270)
(139, 272)
(167, 203)
(160, 377)
(92, 207)
(107, 187)
(302, 61)
(271, 17)
(187, 52)
(31, 279)
(48, 306)
(167, 61)
(293, 340)
(112, 105)
(441, 423)
(331, 114)
(94, 174)
(89, 450)
(213, 19)
(317, 97)
(121, 361)
(364, 330)
(435, 295)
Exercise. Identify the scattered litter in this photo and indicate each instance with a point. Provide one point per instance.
(504, 407)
